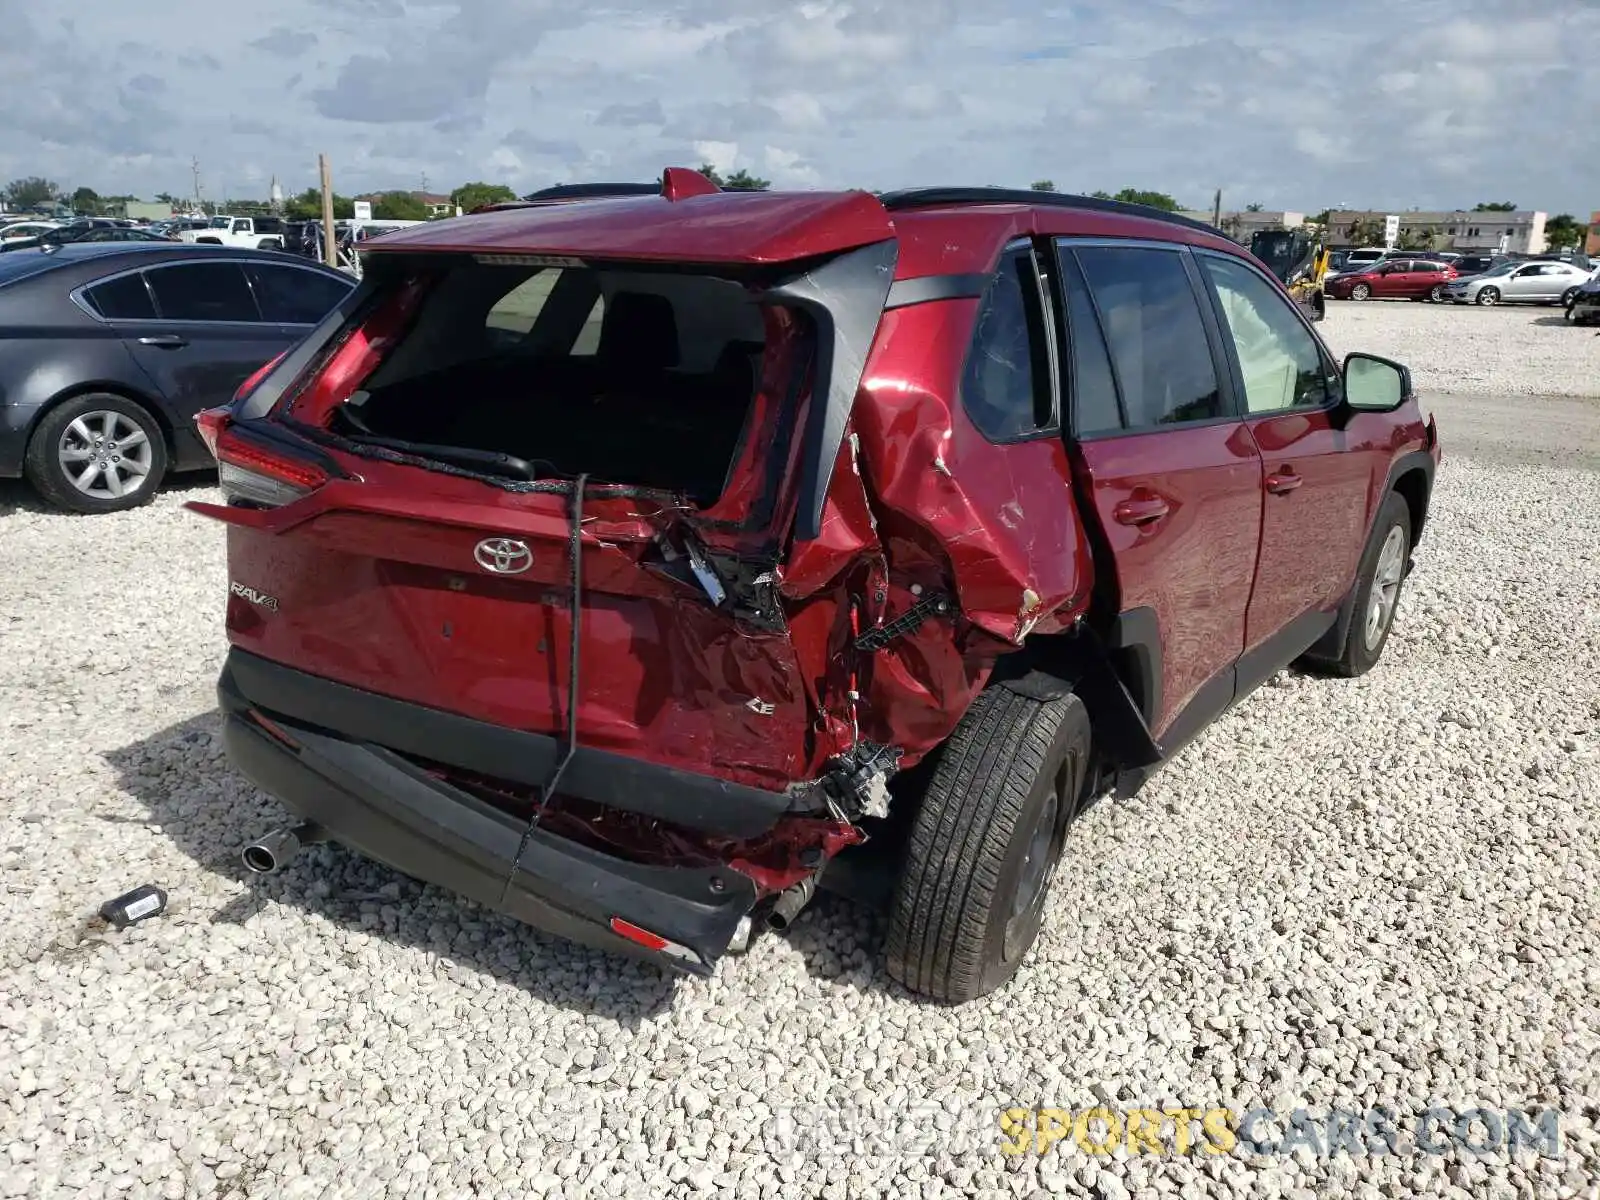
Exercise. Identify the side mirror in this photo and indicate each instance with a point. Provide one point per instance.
(1373, 384)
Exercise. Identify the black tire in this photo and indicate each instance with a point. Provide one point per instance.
(1360, 652)
(46, 472)
(1568, 296)
(1488, 297)
(965, 909)
(1436, 293)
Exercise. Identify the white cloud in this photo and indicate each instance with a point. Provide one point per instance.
(1289, 105)
(721, 155)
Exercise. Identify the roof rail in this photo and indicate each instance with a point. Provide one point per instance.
(943, 196)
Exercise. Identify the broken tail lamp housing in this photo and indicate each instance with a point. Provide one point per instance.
(250, 474)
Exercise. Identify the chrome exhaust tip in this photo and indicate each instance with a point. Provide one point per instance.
(271, 852)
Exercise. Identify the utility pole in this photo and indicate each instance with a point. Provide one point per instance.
(1216, 209)
(330, 243)
(194, 165)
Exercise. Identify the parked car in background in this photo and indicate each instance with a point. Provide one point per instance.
(1394, 278)
(108, 349)
(1583, 304)
(1476, 264)
(72, 234)
(250, 233)
(1519, 283)
(1363, 256)
(22, 231)
(629, 600)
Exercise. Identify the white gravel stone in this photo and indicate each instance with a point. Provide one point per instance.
(1345, 893)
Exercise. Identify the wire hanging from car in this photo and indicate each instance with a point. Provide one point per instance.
(575, 613)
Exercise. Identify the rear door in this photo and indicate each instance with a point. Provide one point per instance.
(206, 337)
(1174, 476)
(1317, 478)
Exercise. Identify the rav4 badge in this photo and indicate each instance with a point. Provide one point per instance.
(270, 603)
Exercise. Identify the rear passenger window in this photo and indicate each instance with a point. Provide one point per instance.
(294, 295)
(1006, 384)
(213, 291)
(123, 299)
(1155, 333)
(1095, 407)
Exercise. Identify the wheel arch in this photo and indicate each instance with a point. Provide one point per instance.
(1415, 487)
(109, 388)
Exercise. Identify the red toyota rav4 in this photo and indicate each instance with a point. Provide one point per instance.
(630, 563)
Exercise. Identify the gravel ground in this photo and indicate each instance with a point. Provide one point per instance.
(1345, 893)
(1510, 350)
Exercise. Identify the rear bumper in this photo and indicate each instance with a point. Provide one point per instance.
(386, 807)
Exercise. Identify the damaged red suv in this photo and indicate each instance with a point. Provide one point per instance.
(634, 563)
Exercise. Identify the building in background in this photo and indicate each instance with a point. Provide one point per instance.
(1240, 225)
(1520, 232)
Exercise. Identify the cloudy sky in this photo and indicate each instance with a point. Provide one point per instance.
(1301, 104)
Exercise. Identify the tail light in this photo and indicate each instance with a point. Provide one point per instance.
(357, 357)
(251, 473)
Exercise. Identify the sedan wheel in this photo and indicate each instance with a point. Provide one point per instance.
(97, 453)
(1488, 297)
(1436, 294)
(1360, 292)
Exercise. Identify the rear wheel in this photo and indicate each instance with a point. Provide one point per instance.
(97, 453)
(983, 847)
(1360, 292)
(1488, 297)
(1568, 297)
(1436, 293)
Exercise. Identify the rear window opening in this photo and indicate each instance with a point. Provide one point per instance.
(630, 375)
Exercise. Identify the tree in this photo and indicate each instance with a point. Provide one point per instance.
(710, 173)
(1414, 238)
(1043, 185)
(474, 195)
(1099, 195)
(1366, 232)
(1252, 208)
(25, 193)
(401, 206)
(742, 181)
(1563, 230)
(1501, 206)
(167, 198)
(86, 200)
(1149, 199)
(1323, 217)
(307, 206)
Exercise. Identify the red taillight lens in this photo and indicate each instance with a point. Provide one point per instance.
(211, 422)
(252, 474)
(358, 357)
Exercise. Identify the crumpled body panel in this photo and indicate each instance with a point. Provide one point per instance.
(922, 504)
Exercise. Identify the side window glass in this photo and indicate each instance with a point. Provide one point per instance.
(203, 292)
(293, 295)
(1095, 406)
(1278, 357)
(124, 299)
(1006, 386)
(1156, 336)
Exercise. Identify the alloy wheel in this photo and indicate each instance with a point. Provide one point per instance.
(105, 454)
(1385, 587)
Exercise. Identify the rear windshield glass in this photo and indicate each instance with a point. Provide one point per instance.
(628, 375)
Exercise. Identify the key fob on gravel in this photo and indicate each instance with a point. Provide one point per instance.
(135, 906)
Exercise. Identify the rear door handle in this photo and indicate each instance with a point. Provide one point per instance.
(1141, 508)
(166, 341)
(1281, 482)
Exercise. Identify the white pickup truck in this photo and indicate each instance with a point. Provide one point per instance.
(251, 233)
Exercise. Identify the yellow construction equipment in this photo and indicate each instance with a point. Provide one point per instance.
(1299, 259)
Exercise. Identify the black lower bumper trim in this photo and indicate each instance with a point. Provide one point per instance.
(390, 810)
(700, 802)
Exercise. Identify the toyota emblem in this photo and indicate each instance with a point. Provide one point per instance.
(503, 556)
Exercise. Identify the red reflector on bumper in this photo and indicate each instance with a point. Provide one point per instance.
(652, 941)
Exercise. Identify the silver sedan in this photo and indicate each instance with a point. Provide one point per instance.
(1518, 282)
